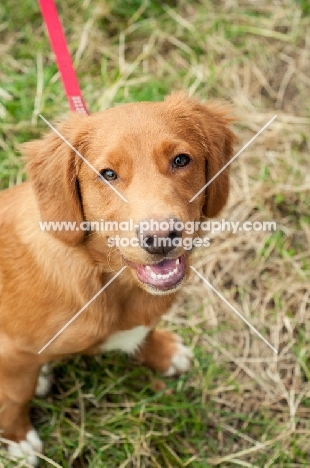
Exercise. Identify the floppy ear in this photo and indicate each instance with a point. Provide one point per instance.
(218, 141)
(212, 128)
(52, 168)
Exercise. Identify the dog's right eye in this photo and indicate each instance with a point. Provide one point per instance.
(108, 174)
(181, 160)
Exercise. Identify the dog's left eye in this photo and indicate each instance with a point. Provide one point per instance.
(108, 174)
(181, 160)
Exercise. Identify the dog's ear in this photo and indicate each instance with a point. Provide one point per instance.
(52, 167)
(218, 141)
(212, 121)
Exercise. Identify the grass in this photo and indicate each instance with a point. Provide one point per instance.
(240, 405)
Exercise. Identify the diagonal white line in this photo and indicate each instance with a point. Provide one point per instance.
(83, 308)
(82, 157)
(235, 310)
(236, 155)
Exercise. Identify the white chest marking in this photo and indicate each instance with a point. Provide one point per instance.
(127, 341)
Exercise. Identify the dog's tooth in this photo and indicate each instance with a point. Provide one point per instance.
(178, 261)
(153, 275)
(148, 267)
(175, 271)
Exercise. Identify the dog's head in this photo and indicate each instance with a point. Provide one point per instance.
(156, 156)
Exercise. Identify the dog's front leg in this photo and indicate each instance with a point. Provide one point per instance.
(160, 350)
(18, 379)
(164, 352)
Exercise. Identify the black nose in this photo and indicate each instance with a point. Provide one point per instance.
(160, 236)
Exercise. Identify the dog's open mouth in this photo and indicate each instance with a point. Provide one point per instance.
(164, 275)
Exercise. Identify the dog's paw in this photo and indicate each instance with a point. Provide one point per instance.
(44, 382)
(180, 360)
(164, 352)
(25, 448)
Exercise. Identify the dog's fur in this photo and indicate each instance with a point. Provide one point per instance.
(47, 277)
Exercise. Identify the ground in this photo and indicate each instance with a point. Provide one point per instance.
(241, 405)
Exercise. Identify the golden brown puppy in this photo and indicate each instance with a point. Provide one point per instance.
(157, 156)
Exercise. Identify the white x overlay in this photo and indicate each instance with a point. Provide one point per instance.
(83, 308)
(82, 157)
(234, 310)
(124, 199)
(232, 159)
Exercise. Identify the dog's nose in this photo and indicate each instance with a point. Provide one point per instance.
(160, 236)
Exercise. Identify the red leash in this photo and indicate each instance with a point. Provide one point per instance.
(63, 59)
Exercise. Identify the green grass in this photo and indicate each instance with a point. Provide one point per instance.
(238, 406)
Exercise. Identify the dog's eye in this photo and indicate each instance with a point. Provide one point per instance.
(108, 174)
(181, 160)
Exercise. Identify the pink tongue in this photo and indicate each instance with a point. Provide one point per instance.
(164, 267)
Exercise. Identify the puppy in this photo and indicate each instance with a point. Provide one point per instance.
(141, 162)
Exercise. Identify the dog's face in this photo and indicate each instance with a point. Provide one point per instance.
(157, 156)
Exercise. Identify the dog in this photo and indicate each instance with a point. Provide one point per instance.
(139, 161)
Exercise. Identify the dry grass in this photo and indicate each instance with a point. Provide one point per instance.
(251, 407)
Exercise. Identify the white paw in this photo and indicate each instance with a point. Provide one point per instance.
(25, 448)
(44, 382)
(181, 360)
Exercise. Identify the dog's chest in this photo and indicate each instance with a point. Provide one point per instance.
(127, 341)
